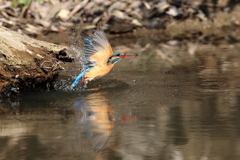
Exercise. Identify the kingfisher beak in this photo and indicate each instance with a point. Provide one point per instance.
(128, 55)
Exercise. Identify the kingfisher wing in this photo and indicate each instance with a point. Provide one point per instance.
(97, 49)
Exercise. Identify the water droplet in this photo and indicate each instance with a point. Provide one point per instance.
(48, 86)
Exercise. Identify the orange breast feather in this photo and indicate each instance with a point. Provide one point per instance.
(98, 71)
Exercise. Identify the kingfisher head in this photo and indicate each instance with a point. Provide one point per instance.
(117, 56)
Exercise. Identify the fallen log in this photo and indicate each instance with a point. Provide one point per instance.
(26, 62)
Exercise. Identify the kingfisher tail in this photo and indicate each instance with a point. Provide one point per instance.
(79, 78)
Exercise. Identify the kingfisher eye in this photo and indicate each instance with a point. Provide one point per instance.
(116, 55)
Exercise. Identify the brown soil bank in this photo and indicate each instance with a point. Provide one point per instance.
(26, 62)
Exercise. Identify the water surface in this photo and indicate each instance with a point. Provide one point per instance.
(183, 106)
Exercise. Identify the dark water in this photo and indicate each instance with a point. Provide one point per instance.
(179, 107)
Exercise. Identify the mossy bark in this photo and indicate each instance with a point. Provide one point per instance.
(24, 60)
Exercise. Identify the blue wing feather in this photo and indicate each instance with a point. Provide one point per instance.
(88, 46)
(87, 39)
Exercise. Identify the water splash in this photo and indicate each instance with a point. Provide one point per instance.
(76, 44)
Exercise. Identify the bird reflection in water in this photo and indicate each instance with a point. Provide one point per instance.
(97, 119)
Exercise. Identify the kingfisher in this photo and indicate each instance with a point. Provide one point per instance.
(98, 57)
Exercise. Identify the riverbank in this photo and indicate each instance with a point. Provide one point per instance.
(185, 20)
